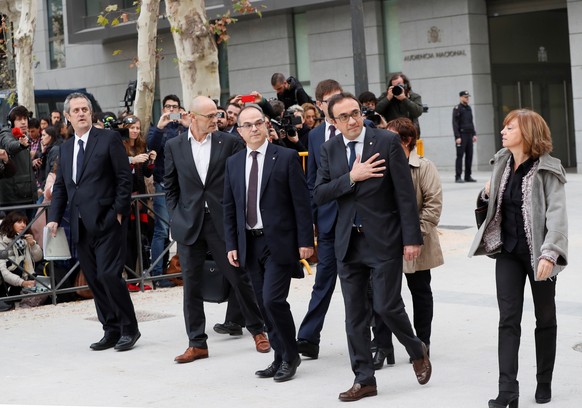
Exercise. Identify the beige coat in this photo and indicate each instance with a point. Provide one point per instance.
(429, 199)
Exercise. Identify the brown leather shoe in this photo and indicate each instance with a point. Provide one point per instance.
(262, 343)
(358, 391)
(191, 354)
(422, 367)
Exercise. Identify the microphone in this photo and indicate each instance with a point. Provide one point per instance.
(17, 133)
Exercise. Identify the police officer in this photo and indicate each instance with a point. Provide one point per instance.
(465, 136)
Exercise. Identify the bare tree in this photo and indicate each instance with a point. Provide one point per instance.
(195, 48)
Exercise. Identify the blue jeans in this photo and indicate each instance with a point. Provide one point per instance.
(161, 229)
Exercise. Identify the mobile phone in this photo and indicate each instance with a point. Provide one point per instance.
(247, 98)
(175, 117)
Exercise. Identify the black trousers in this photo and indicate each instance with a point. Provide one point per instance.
(192, 259)
(511, 271)
(102, 260)
(422, 304)
(464, 149)
(354, 272)
(271, 282)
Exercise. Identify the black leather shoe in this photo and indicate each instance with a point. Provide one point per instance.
(383, 354)
(459, 180)
(126, 342)
(6, 306)
(470, 180)
(109, 340)
(543, 393)
(308, 349)
(287, 370)
(268, 372)
(504, 400)
(234, 329)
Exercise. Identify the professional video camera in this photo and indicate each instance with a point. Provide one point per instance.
(372, 115)
(110, 121)
(286, 127)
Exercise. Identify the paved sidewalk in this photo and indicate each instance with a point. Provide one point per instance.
(45, 357)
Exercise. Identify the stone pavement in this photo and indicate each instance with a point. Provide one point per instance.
(45, 356)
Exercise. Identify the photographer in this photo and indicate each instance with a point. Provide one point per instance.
(369, 101)
(289, 91)
(285, 124)
(400, 101)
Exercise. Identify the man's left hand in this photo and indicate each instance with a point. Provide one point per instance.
(411, 252)
(305, 252)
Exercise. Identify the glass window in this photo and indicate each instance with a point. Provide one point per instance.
(393, 51)
(56, 34)
(301, 31)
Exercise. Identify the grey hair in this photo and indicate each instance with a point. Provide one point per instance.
(295, 108)
(75, 95)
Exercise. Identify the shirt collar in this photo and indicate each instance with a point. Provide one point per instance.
(191, 137)
(262, 148)
(83, 137)
(359, 139)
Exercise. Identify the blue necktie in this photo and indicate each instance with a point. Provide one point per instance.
(80, 158)
(352, 146)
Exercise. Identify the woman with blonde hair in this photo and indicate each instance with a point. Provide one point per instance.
(526, 231)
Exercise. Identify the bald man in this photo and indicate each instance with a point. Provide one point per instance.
(194, 184)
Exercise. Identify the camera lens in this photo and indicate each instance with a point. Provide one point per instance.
(397, 90)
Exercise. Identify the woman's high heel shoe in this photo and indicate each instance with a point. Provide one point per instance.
(505, 399)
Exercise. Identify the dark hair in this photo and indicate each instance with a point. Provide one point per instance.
(218, 107)
(56, 111)
(53, 132)
(367, 96)
(326, 86)
(33, 123)
(171, 98)
(250, 106)
(46, 119)
(405, 128)
(404, 79)
(338, 98)
(17, 112)
(277, 78)
(7, 226)
(278, 108)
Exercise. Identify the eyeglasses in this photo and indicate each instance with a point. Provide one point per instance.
(249, 126)
(170, 106)
(210, 115)
(345, 117)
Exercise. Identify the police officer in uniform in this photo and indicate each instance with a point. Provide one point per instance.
(465, 136)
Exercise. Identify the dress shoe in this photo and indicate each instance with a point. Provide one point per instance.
(191, 354)
(109, 340)
(470, 180)
(308, 349)
(422, 367)
(543, 393)
(504, 400)
(459, 180)
(287, 370)
(127, 341)
(234, 329)
(382, 354)
(358, 391)
(6, 306)
(262, 343)
(270, 371)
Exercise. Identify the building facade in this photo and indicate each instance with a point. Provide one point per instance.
(506, 53)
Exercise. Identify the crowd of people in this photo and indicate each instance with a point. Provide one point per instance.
(234, 189)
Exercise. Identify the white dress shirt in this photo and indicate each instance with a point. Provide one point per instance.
(359, 145)
(261, 163)
(201, 154)
(84, 138)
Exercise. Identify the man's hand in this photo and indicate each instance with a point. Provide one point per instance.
(545, 269)
(411, 252)
(233, 258)
(458, 141)
(119, 218)
(368, 169)
(164, 120)
(475, 139)
(3, 155)
(305, 252)
(23, 141)
(52, 226)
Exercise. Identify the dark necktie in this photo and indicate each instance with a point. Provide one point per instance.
(80, 158)
(252, 192)
(352, 146)
(331, 131)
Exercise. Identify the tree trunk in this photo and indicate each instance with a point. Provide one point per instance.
(23, 40)
(195, 48)
(147, 24)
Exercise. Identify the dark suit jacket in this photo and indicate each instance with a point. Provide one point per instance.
(104, 188)
(324, 215)
(386, 206)
(283, 202)
(185, 192)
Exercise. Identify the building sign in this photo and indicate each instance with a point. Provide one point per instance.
(434, 55)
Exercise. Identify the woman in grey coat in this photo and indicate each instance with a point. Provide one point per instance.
(526, 231)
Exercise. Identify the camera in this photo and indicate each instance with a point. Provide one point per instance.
(175, 117)
(287, 124)
(398, 89)
(372, 115)
(220, 115)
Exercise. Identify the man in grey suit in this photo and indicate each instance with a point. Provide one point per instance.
(366, 171)
(194, 184)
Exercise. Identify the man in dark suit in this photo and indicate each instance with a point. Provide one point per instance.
(268, 228)
(324, 217)
(95, 179)
(194, 183)
(366, 171)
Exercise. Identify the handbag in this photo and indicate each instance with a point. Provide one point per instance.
(480, 210)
